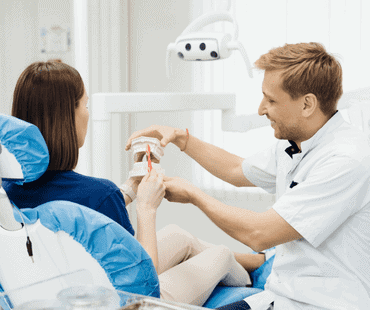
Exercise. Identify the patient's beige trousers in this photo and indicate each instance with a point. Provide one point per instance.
(189, 268)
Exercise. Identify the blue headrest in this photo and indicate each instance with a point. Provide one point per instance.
(27, 144)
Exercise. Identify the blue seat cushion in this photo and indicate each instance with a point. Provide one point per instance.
(260, 275)
(224, 295)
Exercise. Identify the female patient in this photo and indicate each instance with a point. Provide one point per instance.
(52, 96)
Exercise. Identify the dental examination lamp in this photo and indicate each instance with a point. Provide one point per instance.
(194, 45)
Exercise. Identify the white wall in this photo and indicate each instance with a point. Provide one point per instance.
(150, 25)
(153, 25)
(20, 23)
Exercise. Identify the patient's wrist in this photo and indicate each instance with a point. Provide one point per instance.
(128, 190)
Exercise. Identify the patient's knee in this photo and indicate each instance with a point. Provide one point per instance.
(222, 252)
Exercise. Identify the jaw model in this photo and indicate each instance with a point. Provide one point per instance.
(139, 147)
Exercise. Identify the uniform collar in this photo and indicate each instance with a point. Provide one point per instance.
(334, 122)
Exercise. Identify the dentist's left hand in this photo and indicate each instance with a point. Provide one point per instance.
(178, 190)
(150, 192)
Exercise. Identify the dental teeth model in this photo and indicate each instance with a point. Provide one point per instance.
(139, 147)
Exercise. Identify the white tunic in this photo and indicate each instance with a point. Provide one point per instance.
(329, 205)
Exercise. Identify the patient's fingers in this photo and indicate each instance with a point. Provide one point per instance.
(146, 177)
(160, 178)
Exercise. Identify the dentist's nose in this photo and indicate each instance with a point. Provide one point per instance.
(262, 108)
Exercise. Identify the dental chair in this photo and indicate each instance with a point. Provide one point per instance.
(59, 237)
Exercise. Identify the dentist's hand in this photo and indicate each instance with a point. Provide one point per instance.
(164, 134)
(178, 190)
(150, 192)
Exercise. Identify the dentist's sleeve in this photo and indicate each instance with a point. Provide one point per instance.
(260, 169)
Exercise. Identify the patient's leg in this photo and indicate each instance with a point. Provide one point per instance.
(176, 245)
(194, 280)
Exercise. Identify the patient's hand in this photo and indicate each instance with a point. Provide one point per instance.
(150, 192)
(178, 189)
(164, 134)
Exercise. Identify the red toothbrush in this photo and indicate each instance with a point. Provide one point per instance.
(148, 156)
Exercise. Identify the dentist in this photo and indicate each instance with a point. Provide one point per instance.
(320, 172)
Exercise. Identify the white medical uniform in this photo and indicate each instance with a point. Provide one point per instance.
(329, 205)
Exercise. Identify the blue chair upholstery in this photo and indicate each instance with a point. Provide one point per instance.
(223, 295)
(123, 259)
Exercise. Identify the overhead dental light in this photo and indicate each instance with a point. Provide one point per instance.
(196, 45)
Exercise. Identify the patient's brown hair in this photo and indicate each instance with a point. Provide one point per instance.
(306, 68)
(46, 95)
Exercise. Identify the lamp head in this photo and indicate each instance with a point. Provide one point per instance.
(194, 45)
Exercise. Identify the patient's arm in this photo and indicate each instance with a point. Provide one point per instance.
(222, 164)
(133, 183)
(150, 194)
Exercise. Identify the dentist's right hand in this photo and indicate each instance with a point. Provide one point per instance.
(164, 134)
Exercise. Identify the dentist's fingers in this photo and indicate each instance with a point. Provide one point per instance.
(164, 134)
(166, 178)
(168, 138)
(147, 132)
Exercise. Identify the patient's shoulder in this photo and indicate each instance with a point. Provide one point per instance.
(92, 180)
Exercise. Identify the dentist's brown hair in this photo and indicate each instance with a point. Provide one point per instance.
(307, 68)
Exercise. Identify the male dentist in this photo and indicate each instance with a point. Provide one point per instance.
(320, 172)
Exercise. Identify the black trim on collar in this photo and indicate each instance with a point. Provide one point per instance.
(293, 184)
(293, 149)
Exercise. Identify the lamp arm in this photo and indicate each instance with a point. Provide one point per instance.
(235, 45)
(224, 5)
(210, 18)
(170, 49)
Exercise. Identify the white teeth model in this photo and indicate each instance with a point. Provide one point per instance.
(141, 168)
(140, 144)
(139, 147)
